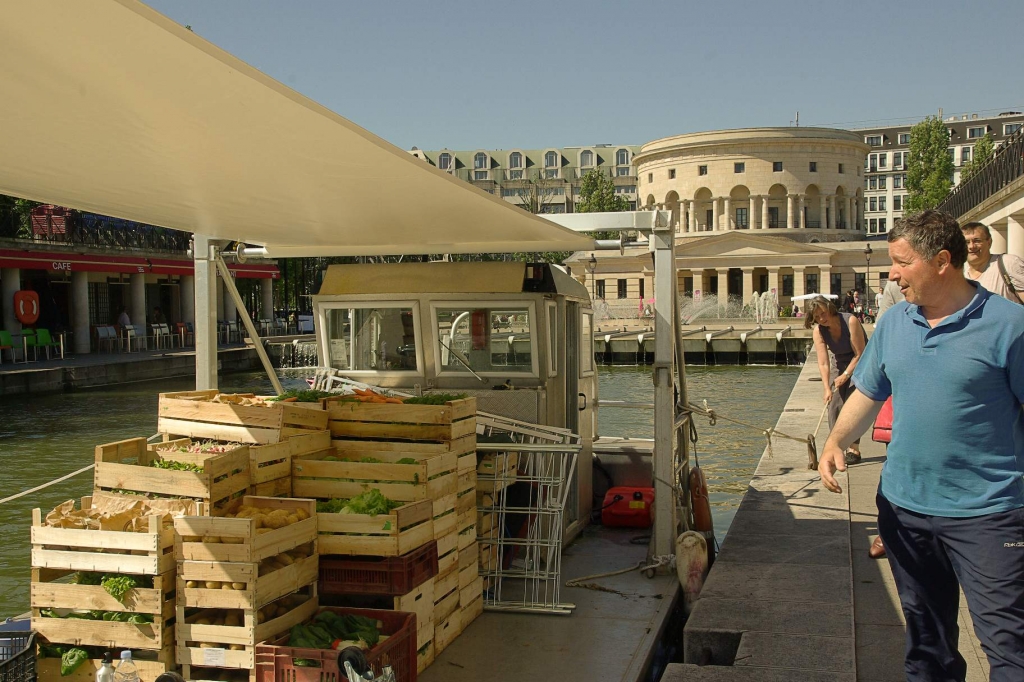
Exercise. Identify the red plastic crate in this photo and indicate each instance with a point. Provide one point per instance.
(390, 576)
(275, 661)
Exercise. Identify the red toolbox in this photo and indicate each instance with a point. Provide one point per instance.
(627, 507)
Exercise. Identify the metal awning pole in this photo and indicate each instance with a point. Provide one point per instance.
(229, 287)
(204, 253)
(665, 522)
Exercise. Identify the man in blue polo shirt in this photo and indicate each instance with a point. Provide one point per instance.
(951, 496)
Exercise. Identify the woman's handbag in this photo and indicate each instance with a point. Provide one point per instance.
(882, 433)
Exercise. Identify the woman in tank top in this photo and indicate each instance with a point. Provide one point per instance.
(843, 335)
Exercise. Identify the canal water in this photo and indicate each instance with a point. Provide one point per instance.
(44, 437)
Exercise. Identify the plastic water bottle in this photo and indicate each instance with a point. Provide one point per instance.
(126, 670)
(106, 671)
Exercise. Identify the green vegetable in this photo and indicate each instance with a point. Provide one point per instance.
(87, 578)
(71, 659)
(407, 460)
(371, 503)
(435, 398)
(117, 586)
(176, 466)
(371, 460)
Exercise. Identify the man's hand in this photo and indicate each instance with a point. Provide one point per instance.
(831, 460)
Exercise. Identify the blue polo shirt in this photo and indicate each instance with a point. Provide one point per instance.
(958, 426)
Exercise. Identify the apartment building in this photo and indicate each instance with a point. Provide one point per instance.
(885, 170)
(550, 178)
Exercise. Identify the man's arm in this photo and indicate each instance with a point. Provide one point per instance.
(1015, 269)
(858, 414)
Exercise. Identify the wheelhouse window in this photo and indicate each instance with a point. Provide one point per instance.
(372, 338)
(496, 340)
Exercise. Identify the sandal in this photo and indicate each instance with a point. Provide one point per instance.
(877, 549)
(851, 457)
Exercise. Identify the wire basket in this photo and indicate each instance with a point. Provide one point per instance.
(17, 657)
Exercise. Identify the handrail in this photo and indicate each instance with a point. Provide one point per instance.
(1005, 166)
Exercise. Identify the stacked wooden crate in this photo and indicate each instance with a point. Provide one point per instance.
(60, 552)
(238, 418)
(270, 466)
(243, 580)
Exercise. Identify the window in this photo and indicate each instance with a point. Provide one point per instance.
(897, 202)
(776, 166)
(625, 189)
(904, 138)
(873, 204)
(873, 226)
(836, 284)
(897, 181)
(812, 283)
(550, 173)
(881, 203)
(813, 167)
(742, 222)
(787, 285)
(465, 341)
(952, 154)
(509, 192)
(586, 158)
(881, 181)
(874, 162)
(641, 283)
(702, 170)
(739, 167)
(773, 216)
(965, 155)
(444, 162)
(622, 157)
(975, 132)
(897, 159)
(840, 169)
(515, 160)
(622, 170)
(480, 175)
(882, 160)
(623, 288)
(1011, 128)
(874, 140)
(650, 177)
(480, 160)
(515, 175)
(671, 173)
(873, 182)
(881, 224)
(600, 288)
(859, 282)
(372, 338)
(587, 345)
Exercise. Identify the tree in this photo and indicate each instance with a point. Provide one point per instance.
(597, 195)
(16, 216)
(929, 166)
(983, 151)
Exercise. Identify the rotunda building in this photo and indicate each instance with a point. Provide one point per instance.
(802, 183)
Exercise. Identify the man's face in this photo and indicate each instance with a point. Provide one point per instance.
(979, 247)
(916, 276)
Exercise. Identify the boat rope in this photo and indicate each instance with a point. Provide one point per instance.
(642, 566)
(713, 416)
(55, 481)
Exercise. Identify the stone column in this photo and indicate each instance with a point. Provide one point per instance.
(80, 311)
(748, 285)
(799, 280)
(138, 308)
(773, 282)
(716, 214)
(831, 212)
(824, 279)
(789, 211)
(10, 282)
(803, 211)
(752, 213)
(1014, 236)
(764, 212)
(851, 224)
(727, 215)
(823, 207)
(723, 283)
(267, 296)
(187, 284)
(998, 233)
(693, 216)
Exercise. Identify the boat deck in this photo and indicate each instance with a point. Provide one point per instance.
(611, 636)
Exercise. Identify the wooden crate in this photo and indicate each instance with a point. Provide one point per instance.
(496, 471)
(460, 447)
(73, 549)
(394, 534)
(472, 592)
(467, 535)
(488, 557)
(446, 516)
(446, 630)
(451, 421)
(471, 612)
(189, 634)
(150, 668)
(126, 465)
(194, 414)
(421, 602)
(246, 543)
(447, 552)
(259, 590)
(486, 524)
(430, 478)
(270, 466)
(424, 656)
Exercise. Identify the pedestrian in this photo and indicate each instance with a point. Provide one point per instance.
(878, 300)
(158, 316)
(1002, 274)
(891, 295)
(843, 334)
(123, 319)
(951, 496)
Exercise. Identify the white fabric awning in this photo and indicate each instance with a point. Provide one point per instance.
(108, 106)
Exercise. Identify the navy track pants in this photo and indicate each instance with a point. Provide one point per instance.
(930, 557)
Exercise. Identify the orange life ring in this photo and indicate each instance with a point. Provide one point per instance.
(26, 306)
(699, 499)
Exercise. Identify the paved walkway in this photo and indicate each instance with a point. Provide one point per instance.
(793, 595)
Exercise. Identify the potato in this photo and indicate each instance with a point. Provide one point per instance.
(236, 647)
(212, 584)
(226, 586)
(284, 558)
(232, 620)
(292, 518)
(238, 586)
(261, 531)
(207, 645)
(302, 514)
(233, 541)
(191, 538)
(203, 620)
(191, 584)
(211, 538)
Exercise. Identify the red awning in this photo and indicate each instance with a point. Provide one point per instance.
(77, 262)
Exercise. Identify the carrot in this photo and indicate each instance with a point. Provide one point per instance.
(293, 399)
(396, 401)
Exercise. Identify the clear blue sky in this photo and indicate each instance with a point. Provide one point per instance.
(466, 75)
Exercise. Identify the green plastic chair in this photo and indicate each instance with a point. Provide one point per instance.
(6, 344)
(44, 340)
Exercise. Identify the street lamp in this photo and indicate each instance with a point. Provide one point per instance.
(870, 292)
(592, 266)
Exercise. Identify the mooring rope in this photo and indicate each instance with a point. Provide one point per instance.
(585, 581)
(713, 416)
(55, 481)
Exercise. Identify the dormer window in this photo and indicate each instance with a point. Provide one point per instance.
(551, 164)
(515, 166)
(444, 161)
(586, 159)
(481, 166)
(622, 157)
